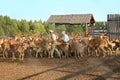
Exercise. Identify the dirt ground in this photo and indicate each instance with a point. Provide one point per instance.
(89, 68)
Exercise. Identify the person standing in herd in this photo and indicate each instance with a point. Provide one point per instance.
(54, 42)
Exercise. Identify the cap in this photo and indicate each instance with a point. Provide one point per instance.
(63, 32)
(51, 30)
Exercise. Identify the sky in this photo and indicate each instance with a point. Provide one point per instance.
(42, 9)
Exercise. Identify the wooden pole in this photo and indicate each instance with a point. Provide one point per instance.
(86, 32)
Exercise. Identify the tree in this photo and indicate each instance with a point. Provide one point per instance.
(60, 28)
(24, 27)
(38, 28)
(51, 27)
(14, 28)
(1, 31)
(46, 26)
(75, 28)
(1, 25)
(101, 23)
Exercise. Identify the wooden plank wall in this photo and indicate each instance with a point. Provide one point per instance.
(113, 24)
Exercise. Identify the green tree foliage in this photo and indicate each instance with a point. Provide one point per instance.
(51, 26)
(1, 31)
(1, 25)
(6, 25)
(46, 26)
(101, 23)
(14, 28)
(38, 28)
(2, 21)
(60, 28)
(24, 26)
(31, 27)
(11, 27)
(75, 28)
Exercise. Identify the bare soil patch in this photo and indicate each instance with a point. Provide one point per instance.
(89, 68)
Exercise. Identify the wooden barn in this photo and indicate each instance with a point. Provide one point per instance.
(72, 19)
(113, 24)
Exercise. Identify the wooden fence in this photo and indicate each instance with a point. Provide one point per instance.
(96, 31)
(113, 24)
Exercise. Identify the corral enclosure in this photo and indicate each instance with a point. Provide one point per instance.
(85, 68)
(113, 25)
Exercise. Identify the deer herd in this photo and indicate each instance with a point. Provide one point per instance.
(40, 46)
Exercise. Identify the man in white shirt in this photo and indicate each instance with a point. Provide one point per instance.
(65, 37)
(66, 41)
(54, 41)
